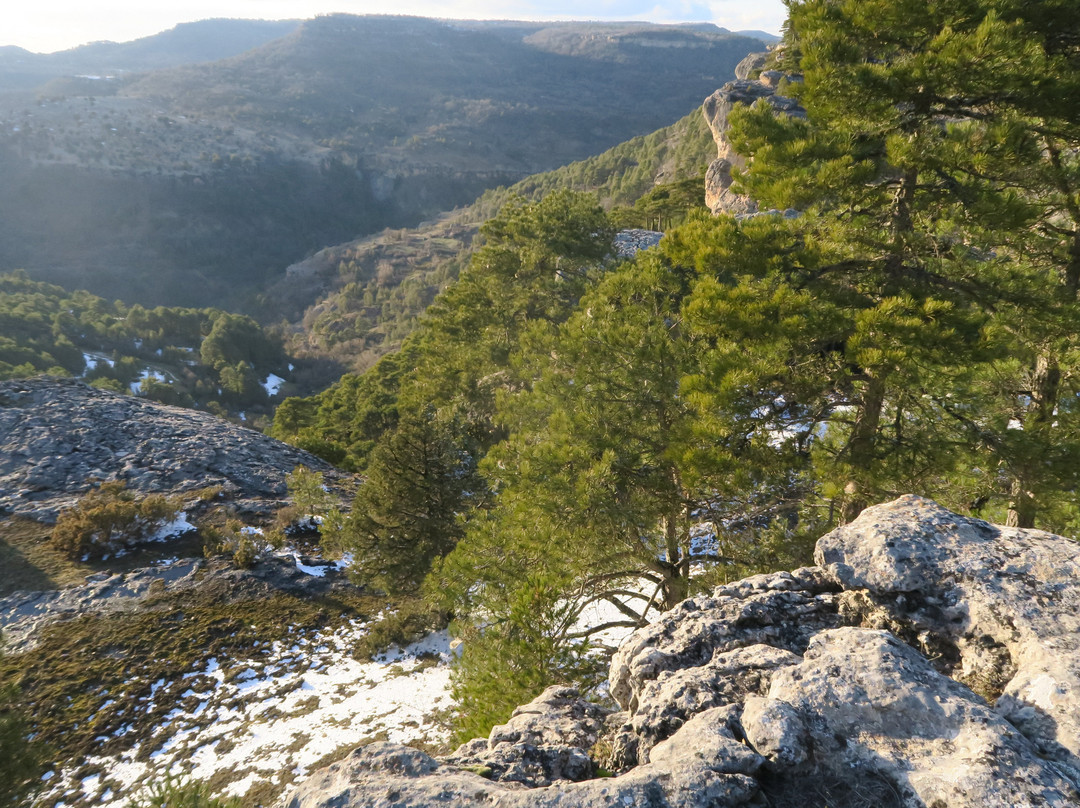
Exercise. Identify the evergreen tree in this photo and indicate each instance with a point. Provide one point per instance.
(916, 115)
(420, 481)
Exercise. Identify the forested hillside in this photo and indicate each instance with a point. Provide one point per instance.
(197, 185)
(564, 430)
(203, 358)
(371, 292)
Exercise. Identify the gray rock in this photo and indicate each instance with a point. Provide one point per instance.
(544, 741)
(631, 241)
(874, 704)
(750, 63)
(1002, 603)
(776, 730)
(825, 686)
(57, 434)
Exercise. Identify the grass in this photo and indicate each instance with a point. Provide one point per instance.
(28, 562)
(91, 676)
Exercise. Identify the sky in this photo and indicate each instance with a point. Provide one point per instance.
(50, 25)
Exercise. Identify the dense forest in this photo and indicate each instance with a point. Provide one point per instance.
(204, 358)
(565, 429)
(371, 292)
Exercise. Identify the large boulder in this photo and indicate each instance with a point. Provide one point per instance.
(930, 660)
(58, 434)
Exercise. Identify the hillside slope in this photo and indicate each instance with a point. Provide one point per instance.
(200, 183)
(357, 301)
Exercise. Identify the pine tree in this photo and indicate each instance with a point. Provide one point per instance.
(917, 115)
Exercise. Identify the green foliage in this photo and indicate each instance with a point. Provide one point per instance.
(420, 480)
(243, 545)
(538, 258)
(178, 356)
(404, 621)
(664, 206)
(711, 408)
(932, 159)
(109, 518)
(22, 760)
(172, 793)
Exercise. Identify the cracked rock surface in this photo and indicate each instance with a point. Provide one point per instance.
(929, 660)
(57, 434)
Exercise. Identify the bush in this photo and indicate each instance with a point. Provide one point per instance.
(181, 794)
(411, 621)
(243, 545)
(108, 518)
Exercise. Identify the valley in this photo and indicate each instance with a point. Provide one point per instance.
(570, 414)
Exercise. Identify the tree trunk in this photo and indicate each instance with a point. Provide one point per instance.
(1039, 419)
(860, 449)
(1022, 506)
(676, 585)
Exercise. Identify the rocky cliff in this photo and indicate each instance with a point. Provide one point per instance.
(929, 660)
(717, 107)
(58, 434)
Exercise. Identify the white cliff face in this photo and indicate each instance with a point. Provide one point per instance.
(929, 659)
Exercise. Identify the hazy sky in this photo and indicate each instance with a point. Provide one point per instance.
(50, 25)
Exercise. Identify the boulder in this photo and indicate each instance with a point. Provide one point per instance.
(929, 660)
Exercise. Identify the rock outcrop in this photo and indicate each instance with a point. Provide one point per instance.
(929, 660)
(24, 615)
(717, 107)
(57, 434)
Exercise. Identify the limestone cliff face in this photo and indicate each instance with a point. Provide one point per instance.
(717, 107)
(57, 434)
(928, 660)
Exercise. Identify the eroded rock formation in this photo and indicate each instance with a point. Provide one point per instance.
(929, 660)
(719, 196)
(57, 434)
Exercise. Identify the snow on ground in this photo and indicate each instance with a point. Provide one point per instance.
(273, 384)
(136, 387)
(177, 526)
(270, 717)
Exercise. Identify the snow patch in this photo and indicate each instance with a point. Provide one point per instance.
(273, 383)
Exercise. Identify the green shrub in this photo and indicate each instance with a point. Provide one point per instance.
(109, 518)
(21, 760)
(245, 547)
(181, 794)
(411, 620)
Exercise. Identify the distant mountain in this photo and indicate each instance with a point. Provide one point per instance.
(205, 41)
(199, 184)
(764, 36)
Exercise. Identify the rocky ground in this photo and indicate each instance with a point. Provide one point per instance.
(56, 435)
(929, 660)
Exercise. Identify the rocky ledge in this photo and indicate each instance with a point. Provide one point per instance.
(719, 196)
(929, 660)
(57, 434)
